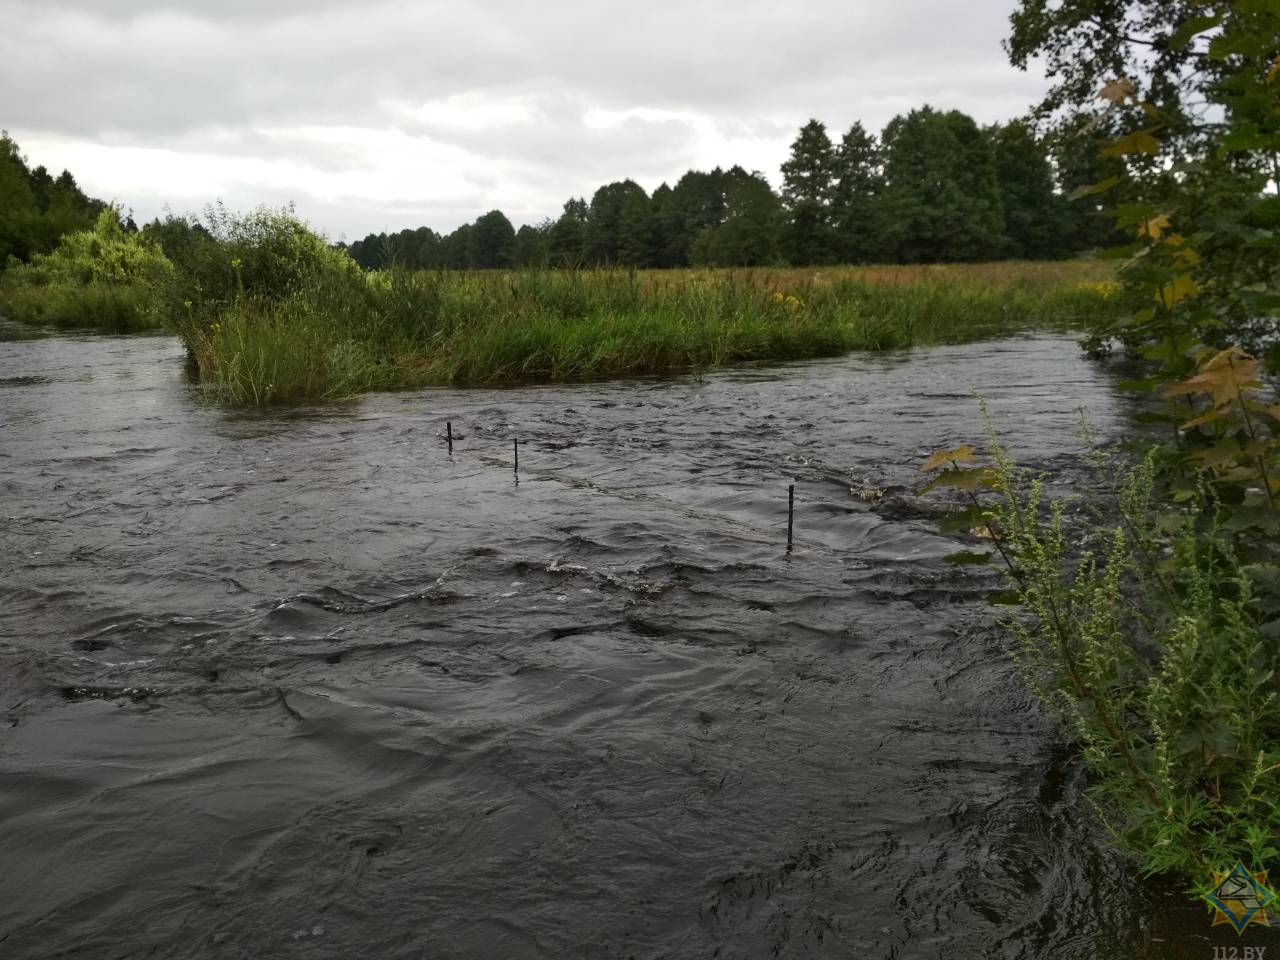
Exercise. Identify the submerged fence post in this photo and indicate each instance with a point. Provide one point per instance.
(791, 514)
(448, 433)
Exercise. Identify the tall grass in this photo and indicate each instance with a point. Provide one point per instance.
(339, 334)
(271, 313)
(104, 277)
(113, 307)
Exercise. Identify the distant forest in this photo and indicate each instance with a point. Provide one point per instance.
(933, 187)
(36, 208)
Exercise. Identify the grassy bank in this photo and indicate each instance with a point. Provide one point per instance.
(403, 329)
(101, 279)
(271, 313)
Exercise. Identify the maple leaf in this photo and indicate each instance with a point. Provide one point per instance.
(1211, 416)
(1140, 141)
(1117, 91)
(967, 480)
(1218, 456)
(1154, 228)
(1181, 288)
(1223, 377)
(961, 454)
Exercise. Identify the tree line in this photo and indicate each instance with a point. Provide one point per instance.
(37, 208)
(933, 187)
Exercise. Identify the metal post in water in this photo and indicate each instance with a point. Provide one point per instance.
(515, 447)
(448, 433)
(791, 514)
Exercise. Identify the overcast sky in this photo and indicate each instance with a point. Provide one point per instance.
(381, 115)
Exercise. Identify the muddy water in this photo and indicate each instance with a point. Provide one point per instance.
(303, 685)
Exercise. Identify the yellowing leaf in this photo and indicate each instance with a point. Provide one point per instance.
(1089, 189)
(941, 458)
(1181, 288)
(968, 480)
(1274, 71)
(1222, 377)
(1117, 91)
(1218, 456)
(1145, 315)
(1140, 141)
(1209, 417)
(1154, 228)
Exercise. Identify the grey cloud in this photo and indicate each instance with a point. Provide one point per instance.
(233, 77)
(163, 70)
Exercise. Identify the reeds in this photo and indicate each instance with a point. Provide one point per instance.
(339, 335)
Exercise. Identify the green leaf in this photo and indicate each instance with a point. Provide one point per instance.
(1102, 186)
(1246, 138)
(1145, 385)
(1140, 141)
(1266, 209)
(940, 458)
(1127, 214)
(1190, 29)
(963, 520)
(1146, 315)
(1239, 42)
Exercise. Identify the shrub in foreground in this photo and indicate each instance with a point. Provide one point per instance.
(1150, 626)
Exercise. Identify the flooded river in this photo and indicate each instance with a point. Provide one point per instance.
(303, 685)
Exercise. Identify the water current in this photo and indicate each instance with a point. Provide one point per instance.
(302, 684)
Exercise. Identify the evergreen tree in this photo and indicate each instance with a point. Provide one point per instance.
(36, 210)
(1076, 149)
(491, 242)
(567, 238)
(426, 249)
(667, 224)
(455, 249)
(807, 180)
(18, 209)
(751, 232)
(1035, 215)
(604, 221)
(942, 198)
(532, 245)
(637, 241)
(856, 198)
(694, 205)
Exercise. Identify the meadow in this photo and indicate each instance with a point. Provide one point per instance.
(407, 329)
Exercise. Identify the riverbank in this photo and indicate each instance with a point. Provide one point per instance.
(270, 313)
(412, 329)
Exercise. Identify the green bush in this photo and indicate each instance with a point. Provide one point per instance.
(1140, 627)
(105, 278)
